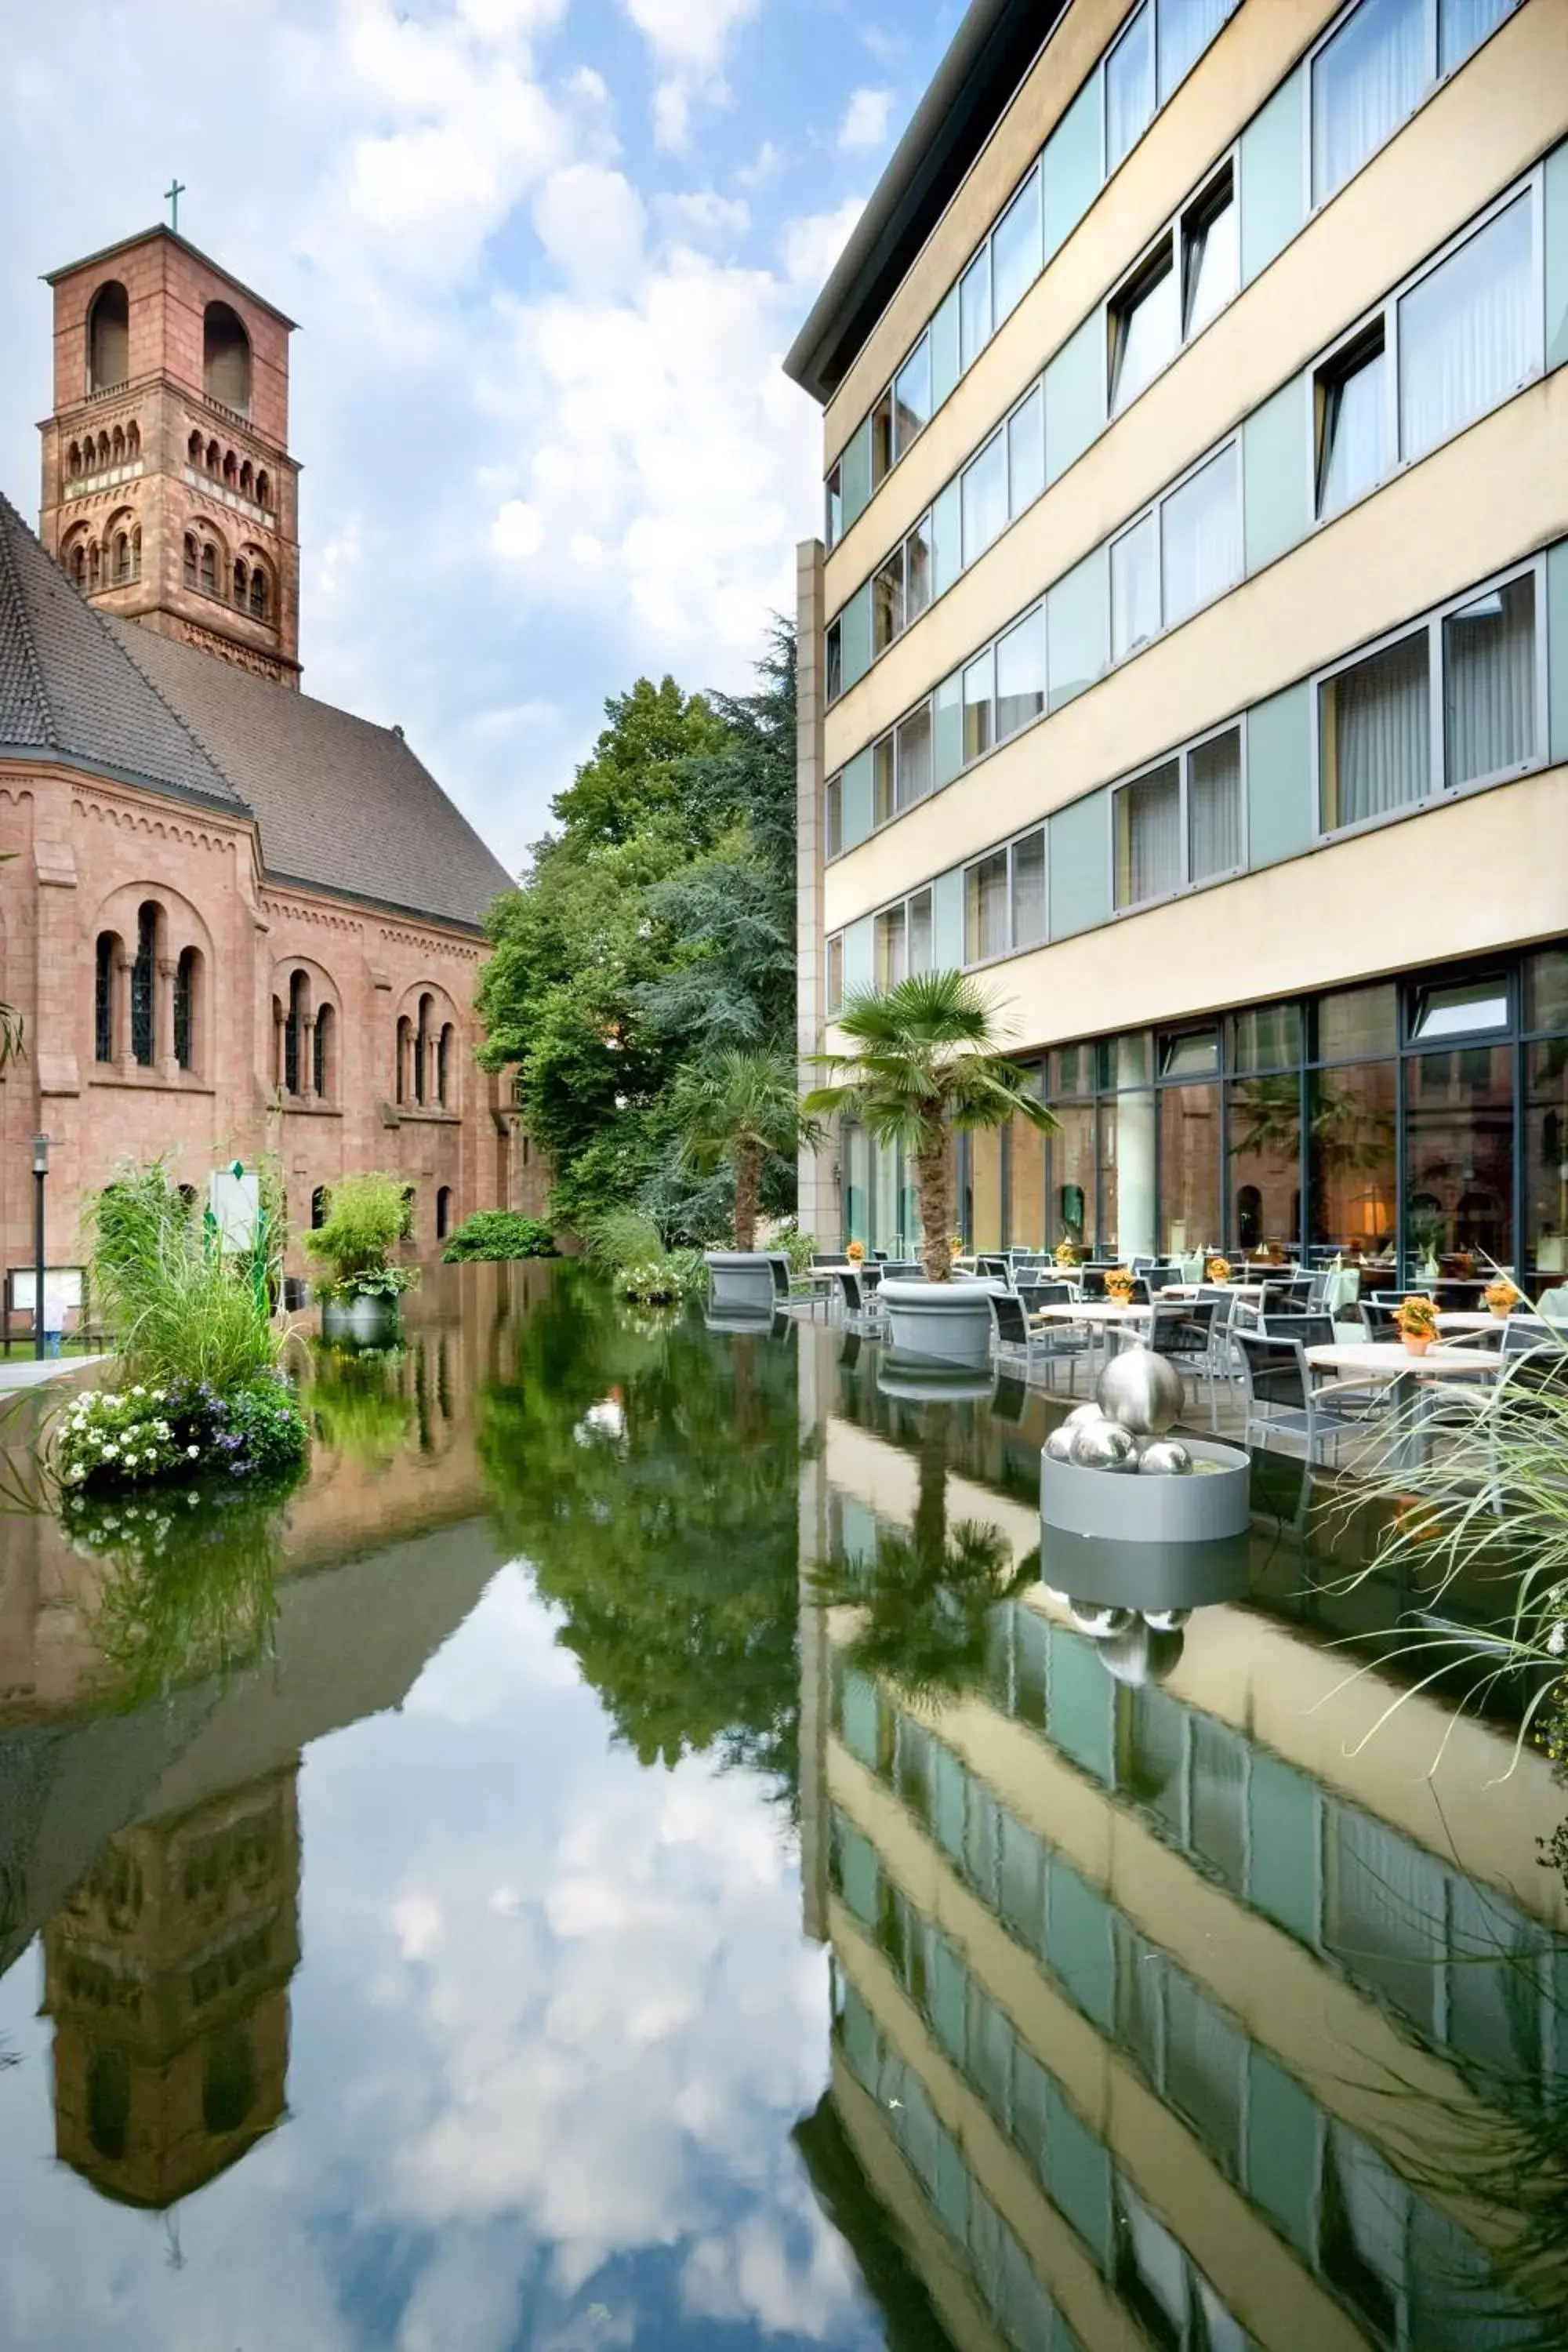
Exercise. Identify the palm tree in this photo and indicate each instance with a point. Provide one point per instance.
(925, 1063)
(740, 1109)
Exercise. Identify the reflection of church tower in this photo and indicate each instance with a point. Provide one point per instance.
(169, 494)
(167, 1978)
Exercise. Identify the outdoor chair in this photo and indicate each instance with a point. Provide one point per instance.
(1016, 1343)
(861, 1308)
(993, 1269)
(1553, 1306)
(1380, 1320)
(1282, 1399)
(1187, 1334)
(1091, 1283)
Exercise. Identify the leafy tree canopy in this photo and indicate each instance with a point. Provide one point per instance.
(653, 933)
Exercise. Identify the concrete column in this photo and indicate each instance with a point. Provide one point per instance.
(819, 1212)
(163, 1054)
(127, 1051)
(308, 1058)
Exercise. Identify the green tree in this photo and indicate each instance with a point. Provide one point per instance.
(926, 1062)
(739, 1110)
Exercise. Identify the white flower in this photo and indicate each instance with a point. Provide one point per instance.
(1557, 1640)
(110, 1453)
(192, 1452)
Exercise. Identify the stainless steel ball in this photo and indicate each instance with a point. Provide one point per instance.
(1058, 1444)
(1080, 1413)
(1142, 1391)
(1104, 1446)
(1099, 1623)
(1163, 1457)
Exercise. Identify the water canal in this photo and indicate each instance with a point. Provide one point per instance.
(636, 1852)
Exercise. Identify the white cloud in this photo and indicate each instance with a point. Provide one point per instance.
(591, 222)
(811, 245)
(701, 217)
(689, 39)
(865, 117)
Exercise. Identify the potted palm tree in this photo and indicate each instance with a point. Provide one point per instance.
(738, 1111)
(924, 1062)
(365, 1224)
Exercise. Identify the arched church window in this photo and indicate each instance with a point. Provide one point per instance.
(136, 553)
(106, 986)
(122, 559)
(94, 565)
(103, 451)
(259, 594)
(209, 569)
(143, 983)
(133, 441)
(226, 357)
(214, 457)
(325, 1054)
(444, 1212)
(422, 1050)
(404, 1053)
(191, 573)
(263, 489)
(117, 446)
(187, 1002)
(294, 1036)
(78, 565)
(109, 336)
(194, 449)
(73, 461)
(247, 479)
(444, 1069)
(240, 578)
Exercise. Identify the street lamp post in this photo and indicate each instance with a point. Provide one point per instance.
(41, 1178)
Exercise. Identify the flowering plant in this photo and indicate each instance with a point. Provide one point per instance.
(657, 1282)
(1502, 1296)
(856, 1253)
(1216, 1269)
(1066, 1252)
(114, 1438)
(1417, 1318)
(1120, 1284)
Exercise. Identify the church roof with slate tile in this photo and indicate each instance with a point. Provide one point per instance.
(342, 805)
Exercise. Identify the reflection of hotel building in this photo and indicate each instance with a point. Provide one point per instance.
(1153, 2004)
(1189, 655)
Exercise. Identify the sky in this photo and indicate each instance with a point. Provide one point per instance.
(547, 256)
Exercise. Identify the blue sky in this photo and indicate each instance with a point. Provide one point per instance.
(547, 256)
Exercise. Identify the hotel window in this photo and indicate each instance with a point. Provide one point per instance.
(833, 661)
(901, 770)
(903, 940)
(911, 398)
(1130, 87)
(836, 972)
(1015, 249)
(1145, 327)
(1354, 439)
(1211, 254)
(979, 705)
(1179, 823)
(834, 516)
(916, 570)
(887, 602)
(975, 308)
(882, 439)
(1021, 675)
(1004, 900)
(1134, 589)
(1376, 66)
(984, 496)
(1182, 283)
(1178, 558)
(1469, 331)
(1452, 704)
(832, 817)
(1027, 452)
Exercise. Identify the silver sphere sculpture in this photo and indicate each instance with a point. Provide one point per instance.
(1143, 1390)
(1103, 1445)
(1163, 1457)
(1058, 1444)
(1082, 1414)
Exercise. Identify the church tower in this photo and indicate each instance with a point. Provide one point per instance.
(169, 494)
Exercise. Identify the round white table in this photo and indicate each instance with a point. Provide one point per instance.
(1464, 1319)
(1391, 1362)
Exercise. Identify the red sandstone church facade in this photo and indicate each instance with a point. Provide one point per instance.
(236, 921)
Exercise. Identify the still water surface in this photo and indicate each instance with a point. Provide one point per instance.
(640, 1851)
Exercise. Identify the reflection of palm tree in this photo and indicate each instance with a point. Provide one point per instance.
(927, 1596)
(1345, 1132)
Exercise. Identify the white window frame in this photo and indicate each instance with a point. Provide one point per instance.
(1435, 82)
(1174, 236)
(1156, 507)
(1530, 185)
(1009, 849)
(1430, 623)
(902, 905)
(833, 799)
(1182, 755)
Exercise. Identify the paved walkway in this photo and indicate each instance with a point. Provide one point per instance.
(27, 1372)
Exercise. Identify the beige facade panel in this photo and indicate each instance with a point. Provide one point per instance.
(1481, 133)
(1495, 493)
(1250, 56)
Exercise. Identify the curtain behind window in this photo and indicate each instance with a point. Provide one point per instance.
(1365, 83)
(1186, 28)
(1214, 806)
(1463, 25)
(1149, 837)
(1200, 537)
(1469, 335)
(1489, 683)
(985, 909)
(1376, 735)
(1030, 891)
(1356, 431)
(1129, 88)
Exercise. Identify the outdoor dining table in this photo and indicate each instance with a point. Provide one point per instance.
(1249, 1291)
(1390, 1362)
(1464, 1319)
(1099, 1317)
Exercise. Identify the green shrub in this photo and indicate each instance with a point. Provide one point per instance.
(111, 1439)
(181, 1310)
(359, 1407)
(364, 1222)
(500, 1233)
(623, 1238)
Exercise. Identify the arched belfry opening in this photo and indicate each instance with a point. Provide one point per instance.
(109, 336)
(226, 357)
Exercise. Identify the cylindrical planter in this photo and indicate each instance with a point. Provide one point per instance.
(740, 1280)
(939, 1322)
(910, 1382)
(1147, 1577)
(1199, 1509)
(758, 1321)
(360, 1322)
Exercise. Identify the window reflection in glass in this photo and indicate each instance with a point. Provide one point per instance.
(1358, 1024)
(1071, 1164)
(1021, 675)
(884, 796)
(985, 909)
(881, 439)
(1546, 1158)
(1127, 1171)
(1264, 1162)
(978, 690)
(1214, 807)
(1145, 328)
(916, 570)
(835, 507)
(984, 496)
(912, 398)
(1187, 27)
(1027, 452)
(975, 308)
(1030, 891)
(1027, 1213)
(1351, 1122)
(832, 817)
(914, 778)
(1546, 989)
(1200, 537)
(888, 602)
(1468, 333)
(1149, 837)
(1129, 88)
(1355, 451)
(1189, 1167)
(1135, 590)
(892, 949)
(1463, 26)
(1489, 683)
(1365, 80)
(1211, 255)
(1015, 248)
(919, 913)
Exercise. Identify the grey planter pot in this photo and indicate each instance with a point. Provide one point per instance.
(761, 1323)
(1148, 1576)
(932, 1383)
(739, 1281)
(939, 1322)
(360, 1322)
(1121, 1509)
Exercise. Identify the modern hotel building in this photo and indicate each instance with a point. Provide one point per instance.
(1188, 653)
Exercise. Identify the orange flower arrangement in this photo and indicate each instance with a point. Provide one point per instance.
(856, 1253)
(1216, 1269)
(1066, 1253)
(1118, 1285)
(1502, 1296)
(1417, 1322)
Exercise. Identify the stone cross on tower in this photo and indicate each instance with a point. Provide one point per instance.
(172, 195)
